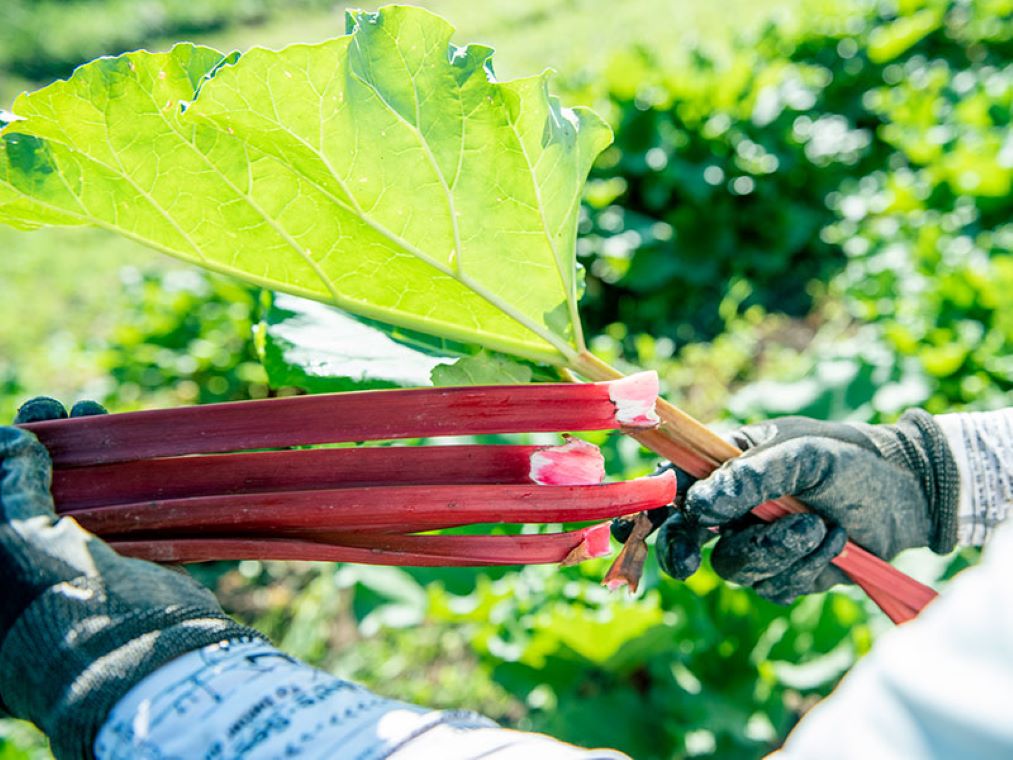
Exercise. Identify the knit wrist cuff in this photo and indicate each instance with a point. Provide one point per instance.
(930, 457)
(76, 673)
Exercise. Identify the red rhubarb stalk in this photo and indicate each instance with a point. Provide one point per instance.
(500, 549)
(461, 551)
(348, 417)
(401, 508)
(574, 463)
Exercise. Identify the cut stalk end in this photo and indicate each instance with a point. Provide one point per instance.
(597, 543)
(635, 398)
(629, 565)
(575, 463)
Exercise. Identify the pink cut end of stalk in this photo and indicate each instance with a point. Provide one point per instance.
(615, 584)
(634, 398)
(598, 541)
(595, 542)
(575, 463)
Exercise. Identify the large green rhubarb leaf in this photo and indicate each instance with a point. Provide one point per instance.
(385, 171)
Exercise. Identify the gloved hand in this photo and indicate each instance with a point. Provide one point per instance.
(886, 487)
(79, 624)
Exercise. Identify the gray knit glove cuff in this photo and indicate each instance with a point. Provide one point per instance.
(79, 624)
(79, 648)
(917, 443)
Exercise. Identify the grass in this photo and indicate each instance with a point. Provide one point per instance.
(572, 36)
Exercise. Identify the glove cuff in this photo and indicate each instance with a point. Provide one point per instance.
(72, 674)
(919, 445)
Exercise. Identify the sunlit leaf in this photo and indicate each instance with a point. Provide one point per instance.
(385, 171)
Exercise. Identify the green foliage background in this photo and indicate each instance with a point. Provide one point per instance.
(807, 213)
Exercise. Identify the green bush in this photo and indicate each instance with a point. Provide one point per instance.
(929, 235)
(709, 181)
(926, 235)
(728, 168)
(187, 338)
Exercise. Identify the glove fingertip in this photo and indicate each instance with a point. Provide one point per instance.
(835, 541)
(679, 559)
(678, 546)
(830, 577)
(717, 499)
(621, 528)
(87, 408)
(40, 409)
(812, 573)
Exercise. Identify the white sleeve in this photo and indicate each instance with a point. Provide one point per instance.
(937, 688)
(982, 444)
(246, 700)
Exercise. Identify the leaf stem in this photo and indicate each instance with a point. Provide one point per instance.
(379, 549)
(330, 418)
(388, 508)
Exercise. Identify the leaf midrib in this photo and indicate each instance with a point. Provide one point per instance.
(356, 210)
(458, 248)
(571, 302)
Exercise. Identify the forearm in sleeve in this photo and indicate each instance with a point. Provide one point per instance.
(246, 699)
(936, 688)
(982, 445)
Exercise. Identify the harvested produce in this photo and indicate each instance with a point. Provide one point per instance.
(146, 481)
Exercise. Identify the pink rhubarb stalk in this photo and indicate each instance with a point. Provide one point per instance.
(573, 463)
(348, 417)
(391, 508)
(379, 549)
(501, 549)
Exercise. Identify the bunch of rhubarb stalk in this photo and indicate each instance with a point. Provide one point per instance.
(189, 484)
(159, 484)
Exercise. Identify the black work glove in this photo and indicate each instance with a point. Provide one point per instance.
(886, 487)
(79, 624)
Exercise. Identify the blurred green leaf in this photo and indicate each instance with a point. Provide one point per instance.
(481, 369)
(321, 349)
(888, 41)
